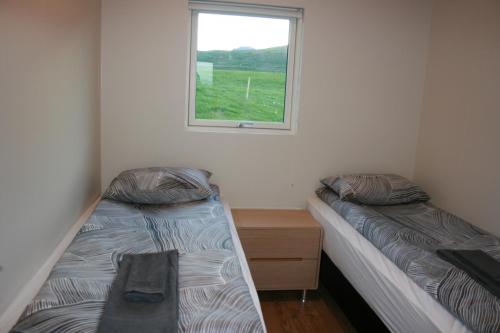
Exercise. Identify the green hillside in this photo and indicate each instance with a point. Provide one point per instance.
(265, 60)
(227, 99)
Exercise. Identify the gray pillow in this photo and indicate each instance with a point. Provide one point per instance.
(160, 186)
(376, 189)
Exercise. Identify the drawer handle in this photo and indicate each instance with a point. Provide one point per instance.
(276, 259)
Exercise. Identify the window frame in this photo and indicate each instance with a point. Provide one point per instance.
(294, 15)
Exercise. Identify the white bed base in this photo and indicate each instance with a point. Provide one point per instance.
(243, 263)
(400, 303)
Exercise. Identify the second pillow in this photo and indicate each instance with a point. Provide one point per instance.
(376, 189)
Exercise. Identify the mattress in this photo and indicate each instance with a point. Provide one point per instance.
(399, 302)
(216, 292)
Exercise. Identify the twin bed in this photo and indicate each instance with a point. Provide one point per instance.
(388, 254)
(401, 304)
(216, 292)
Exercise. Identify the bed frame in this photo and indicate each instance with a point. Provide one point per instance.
(359, 313)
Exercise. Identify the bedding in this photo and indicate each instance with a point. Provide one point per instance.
(409, 236)
(216, 293)
(160, 185)
(375, 189)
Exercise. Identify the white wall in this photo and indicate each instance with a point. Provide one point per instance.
(362, 85)
(458, 152)
(49, 129)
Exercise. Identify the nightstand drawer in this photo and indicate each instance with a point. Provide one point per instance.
(284, 274)
(280, 243)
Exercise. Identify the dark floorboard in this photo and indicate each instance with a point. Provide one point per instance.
(285, 312)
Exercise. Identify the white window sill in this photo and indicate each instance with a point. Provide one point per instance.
(238, 130)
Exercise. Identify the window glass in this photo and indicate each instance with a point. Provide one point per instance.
(241, 68)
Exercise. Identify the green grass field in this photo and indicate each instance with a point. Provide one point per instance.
(225, 98)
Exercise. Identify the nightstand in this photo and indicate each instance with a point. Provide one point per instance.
(283, 247)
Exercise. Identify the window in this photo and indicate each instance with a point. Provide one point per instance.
(244, 65)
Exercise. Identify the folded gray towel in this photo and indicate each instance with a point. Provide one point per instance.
(147, 277)
(121, 316)
(483, 268)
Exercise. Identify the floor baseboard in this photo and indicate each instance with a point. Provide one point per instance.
(9, 318)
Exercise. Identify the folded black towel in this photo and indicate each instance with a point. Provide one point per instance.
(122, 316)
(147, 277)
(484, 269)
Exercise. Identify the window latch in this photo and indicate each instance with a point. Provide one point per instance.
(247, 124)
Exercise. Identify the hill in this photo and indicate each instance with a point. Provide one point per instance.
(273, 59)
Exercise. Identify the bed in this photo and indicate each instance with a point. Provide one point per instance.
(216, 292)
(397, 298)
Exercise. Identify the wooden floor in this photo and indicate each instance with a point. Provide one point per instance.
(285, 312)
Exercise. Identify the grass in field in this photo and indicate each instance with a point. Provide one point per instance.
(225, 98)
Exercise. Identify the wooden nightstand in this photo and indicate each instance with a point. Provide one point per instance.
(283, 247)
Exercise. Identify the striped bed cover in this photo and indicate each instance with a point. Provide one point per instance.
(213, 293)
(409, 235)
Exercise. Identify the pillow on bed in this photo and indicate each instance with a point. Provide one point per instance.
(160, 186)
(376, 189)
